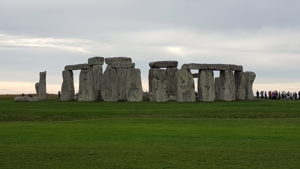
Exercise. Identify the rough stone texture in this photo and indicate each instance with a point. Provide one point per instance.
(171, 83)
(217, 88)
(27, 99)
(250, 77)
(212, 67)
(42, 87)
(240, 84)
(112, 60)
(206, 85)
(185, 86)
(227, 86)
(163, 64)
(77, 67)
(122, 65)
(122, 75)
(158, 85)
(110, 84)
(134, 83)
(96, 75)
(67, 88)
(96, 61)
(37, 87)
(195, 75)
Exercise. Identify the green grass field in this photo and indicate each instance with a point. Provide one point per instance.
(218, 135)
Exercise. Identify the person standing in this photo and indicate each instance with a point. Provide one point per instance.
(257, 94)
(262, 94)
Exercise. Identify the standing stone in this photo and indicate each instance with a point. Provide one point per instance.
(227, 86)
(86, 86)
(134, 84)
(240, 84)
(122, 76)
(158, 85)
(42, 88)
(217, 87)
(97, 80)
(206, 85)
(250, 77)
(185, 86)
(37, 88)
(110, 84)
(67, 88)
(171, 83)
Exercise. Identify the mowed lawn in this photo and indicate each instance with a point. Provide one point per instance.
(72, 135)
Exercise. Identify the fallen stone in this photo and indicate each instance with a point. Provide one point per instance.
(67, 87)
(96, 61)
(163, 64)
(185, 86)
(206, 85)
(111, 60)
(27, 99)
(77, 67)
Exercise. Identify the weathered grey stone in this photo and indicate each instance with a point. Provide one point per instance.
(96, 61)
(86, 86)
(122, 75)
(97, 81)
(171, 83)
(134, 85)
(37, 87)
(158, 85)
(77, 67)
(250, 77)
(212, 67)
(42, 87)
(217, 88)
(206, 85)
(227, 86)
(122, 65)
(110, 84)
(163, 64)
(67, 88)
(185, 86)
(111, 60)
(195, 75)
(27, 99)
(240, 84)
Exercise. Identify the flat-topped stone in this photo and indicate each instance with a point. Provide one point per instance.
(198, 66)
(163, 64)
(122, 65)
(96, 60)
(111, 60)
(77, 67)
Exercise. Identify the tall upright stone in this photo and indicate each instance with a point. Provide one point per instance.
(42, 88)
(185, 86)
(67, 88)
(240, 84)
(217, 88)
(96, 75)
(134, 85)
(227, 86)
(158, 85)
(206, 85)
(86, 86)
(249, 78)
(110, 84)
(171, 83)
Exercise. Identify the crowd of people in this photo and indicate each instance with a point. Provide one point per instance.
(275, 95)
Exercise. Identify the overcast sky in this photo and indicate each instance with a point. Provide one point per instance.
(38, 35)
